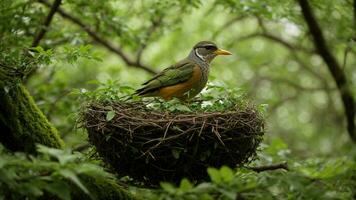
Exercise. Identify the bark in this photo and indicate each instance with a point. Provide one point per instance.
(22, 123)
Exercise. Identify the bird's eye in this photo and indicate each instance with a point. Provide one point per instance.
(210, 47)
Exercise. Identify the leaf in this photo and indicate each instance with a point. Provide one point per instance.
(205, 187)
(227, 174)
(185, 185)
(214, 175)
(110, 115)
(229, 194)
(73, 177)
(62, 156)
(176, 153)
(179, 107)
(168, 187)
(206, 196)
(31, 188)
(262, 108)
(60, 189)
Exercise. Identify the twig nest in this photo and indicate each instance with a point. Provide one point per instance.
(153, 145)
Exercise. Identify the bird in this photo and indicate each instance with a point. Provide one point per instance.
(185, 79)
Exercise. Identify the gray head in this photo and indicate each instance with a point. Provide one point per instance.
(206, 51)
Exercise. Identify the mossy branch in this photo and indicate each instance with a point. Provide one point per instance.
(22, 122)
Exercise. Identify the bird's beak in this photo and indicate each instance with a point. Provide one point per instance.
(222, 52)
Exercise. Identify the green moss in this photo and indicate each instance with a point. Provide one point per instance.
(23, 122)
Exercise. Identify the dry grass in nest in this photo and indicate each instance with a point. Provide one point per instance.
(153, 146)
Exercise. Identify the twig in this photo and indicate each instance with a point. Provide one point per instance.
(261, 24)
(46, 23)
(258, 169)
(115, 49)
(333, 66)
(43, 30)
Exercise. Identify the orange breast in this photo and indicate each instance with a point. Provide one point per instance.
(178, 90)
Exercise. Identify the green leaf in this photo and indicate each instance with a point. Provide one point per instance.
(206, 196)
(228, 193)
(73, 177)
(110, 115)
(227, 174)
(62, 156)
(185, 185)
(31, 188)
(175, 153)
(214, 175)
(168, 187)
(60, 189)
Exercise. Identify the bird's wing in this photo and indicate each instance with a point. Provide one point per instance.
(175, 74)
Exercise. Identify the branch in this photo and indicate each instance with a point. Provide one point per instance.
(115, 49)
(227, 25)
(283, 165)
(333, 66)
(293, 84)
(291, 47)
(276, 39)
(355, 16)
(46, 23)
(155, 24)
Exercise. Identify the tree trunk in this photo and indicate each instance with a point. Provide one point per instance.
(22, 123)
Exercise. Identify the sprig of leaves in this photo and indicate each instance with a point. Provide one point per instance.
(215, 98)
(53, 172)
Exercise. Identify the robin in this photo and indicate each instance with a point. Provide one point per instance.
(185, 79)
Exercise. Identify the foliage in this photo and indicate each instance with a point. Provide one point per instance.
(310, 179)
(54, 173)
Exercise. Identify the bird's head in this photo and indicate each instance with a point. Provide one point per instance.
(207, 51)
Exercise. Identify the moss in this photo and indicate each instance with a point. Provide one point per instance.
(22, 122)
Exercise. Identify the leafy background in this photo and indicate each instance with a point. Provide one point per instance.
(274, 64)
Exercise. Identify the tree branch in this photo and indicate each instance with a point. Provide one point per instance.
(115, 49)
(291, 47)
(276, 39)
(283, 165)
(46, 23)
(155, 24)
(293, 84)
(333, 66)
(227, 25)
(355, 16)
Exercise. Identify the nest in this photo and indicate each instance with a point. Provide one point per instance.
(153, 146)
